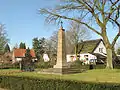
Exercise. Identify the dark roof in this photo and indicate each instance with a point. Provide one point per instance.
(88, 46)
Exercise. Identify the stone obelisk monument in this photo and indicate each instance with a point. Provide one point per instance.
(61, 64)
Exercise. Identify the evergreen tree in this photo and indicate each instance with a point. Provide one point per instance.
(36, 47)
(7, 48)
(27, 54)
(27, 61)
(22, 46)
(39, 47)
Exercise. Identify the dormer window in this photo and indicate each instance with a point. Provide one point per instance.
(101, 50)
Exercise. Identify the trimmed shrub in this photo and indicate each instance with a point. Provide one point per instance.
(43, 65)
(100, 66)
(26, 83)
(103, 66)
(9, 66)
(117, 66)
(78, 64)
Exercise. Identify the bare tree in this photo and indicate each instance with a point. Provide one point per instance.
(92, 14)
(53, 41)
(76, 34)
(16, 46)
(51, 45)
(3, 38)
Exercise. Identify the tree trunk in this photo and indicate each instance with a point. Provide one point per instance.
(20, 65)
(109, 59)
(108, 49)
(75, 50)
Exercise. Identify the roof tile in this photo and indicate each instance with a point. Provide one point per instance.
(21, 52)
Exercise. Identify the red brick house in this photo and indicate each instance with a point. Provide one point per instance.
(19, 54)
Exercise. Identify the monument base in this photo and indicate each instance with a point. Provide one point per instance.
(55, 71)
(61, 71)
(61, 66)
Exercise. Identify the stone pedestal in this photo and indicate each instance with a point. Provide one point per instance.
(61, 63)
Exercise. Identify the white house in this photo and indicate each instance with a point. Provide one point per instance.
(45, 57)
(90, 51)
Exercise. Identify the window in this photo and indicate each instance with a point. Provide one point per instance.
(86, 56)
(101, 50)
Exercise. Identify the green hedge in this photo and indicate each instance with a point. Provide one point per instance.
(26, 83)
(78, 64)
(100, 66)
(103, 66)
(44, 65)
(9, 66)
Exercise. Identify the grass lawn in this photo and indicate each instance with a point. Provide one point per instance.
(97, 75)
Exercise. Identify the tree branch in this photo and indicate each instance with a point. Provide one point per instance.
(92, 10)
(115, 39)
(69, 7)
(112, 9)
(56, 16)
(114, 3)
(118, 34)
(117, 23)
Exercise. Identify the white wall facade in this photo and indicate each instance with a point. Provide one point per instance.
(18, 59)
(90, 56)
(101, 45)
(45, 57)
(71, 59)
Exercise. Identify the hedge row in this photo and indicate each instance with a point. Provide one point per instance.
(78, 64)
(26, 83)
(9, 66)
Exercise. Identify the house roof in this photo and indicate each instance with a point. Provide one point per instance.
(88, 46)
(21, 52)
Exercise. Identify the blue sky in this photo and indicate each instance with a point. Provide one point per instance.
(23, 22)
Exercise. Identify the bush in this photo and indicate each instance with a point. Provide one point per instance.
(78, 64)
(26, 83)
(100, 66)
(103, 66)
(117, 66)
(43, 65)
(9, 66)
